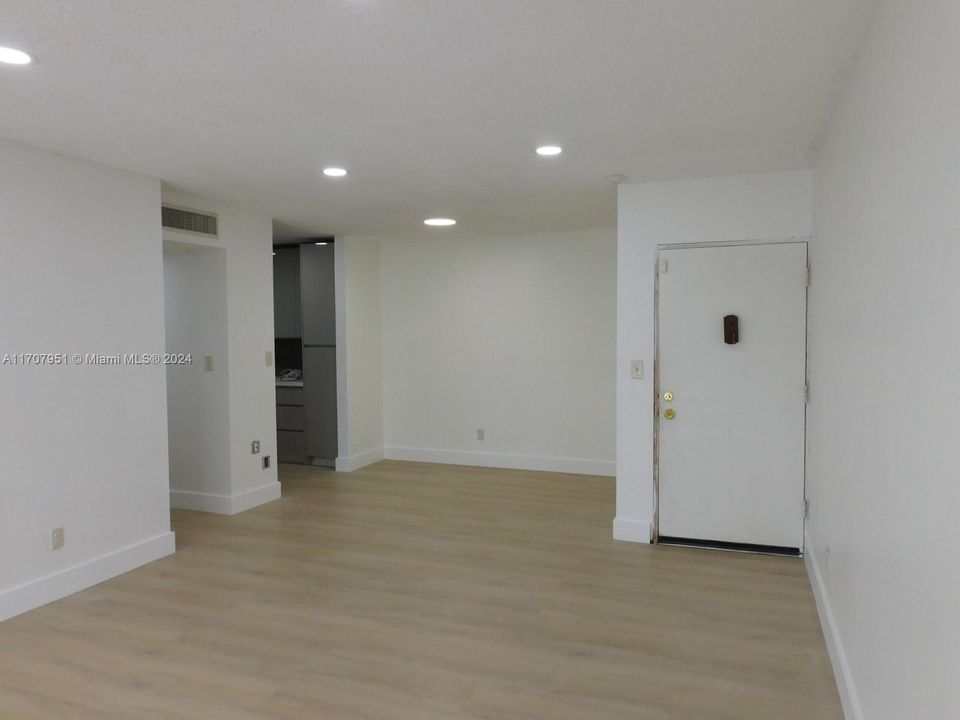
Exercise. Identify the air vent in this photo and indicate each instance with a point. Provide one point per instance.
(189, 221)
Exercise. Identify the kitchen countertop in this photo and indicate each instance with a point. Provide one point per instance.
(290, 383)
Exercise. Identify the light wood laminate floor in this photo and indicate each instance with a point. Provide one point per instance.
(407, 591)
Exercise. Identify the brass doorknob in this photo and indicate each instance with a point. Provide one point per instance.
(669, 413)
(668, 396)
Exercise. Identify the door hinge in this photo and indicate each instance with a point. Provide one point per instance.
(806, 509)
(806, 392)
(808, 273)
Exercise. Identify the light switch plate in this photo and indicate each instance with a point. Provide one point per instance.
(269, 358)
(636, 370)
(208, 363)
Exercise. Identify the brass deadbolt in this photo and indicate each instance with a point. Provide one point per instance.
(669, 413)
(668, 396)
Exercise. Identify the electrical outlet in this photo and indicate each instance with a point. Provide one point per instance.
(208, 363)
(255, 447)
(826, 558)
(481, 434)
(266, 462)
(58, 540)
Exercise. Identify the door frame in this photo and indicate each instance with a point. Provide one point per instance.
(804, 240)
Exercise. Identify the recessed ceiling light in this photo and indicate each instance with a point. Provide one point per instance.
(334, 172)
(440, 222)
(11, 56)
(548, 150)
(321, 243)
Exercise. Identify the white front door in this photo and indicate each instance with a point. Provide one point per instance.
(732, 414)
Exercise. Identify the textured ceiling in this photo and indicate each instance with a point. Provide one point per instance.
(435, 106)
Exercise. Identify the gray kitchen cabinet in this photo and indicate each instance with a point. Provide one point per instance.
(291, 447)
(291, 439)
(290, 418)
(320, 401)
(290, 396)
(317, 295)
(286, 293)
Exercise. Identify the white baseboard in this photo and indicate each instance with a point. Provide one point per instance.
(355, 462)
(573, 466)
(203, 502)
(65, 582)
(637, 531)
(831, 633)
(252, 498)
(224, 504)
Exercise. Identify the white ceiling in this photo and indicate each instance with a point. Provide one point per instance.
(435, 106)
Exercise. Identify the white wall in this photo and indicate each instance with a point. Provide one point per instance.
(247, 239)
(515, 335)
(198, 401)
(771, 206)
(84, 447)
(359, 352)
(884, 458)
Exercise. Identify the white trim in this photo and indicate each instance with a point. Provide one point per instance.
(737, 243)
(65, 582)
(252, 498)
(631, 530)
(831, 633)
(202, 502)
(340, 280)
(224, 504)
(573, 466)
(355, 462)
